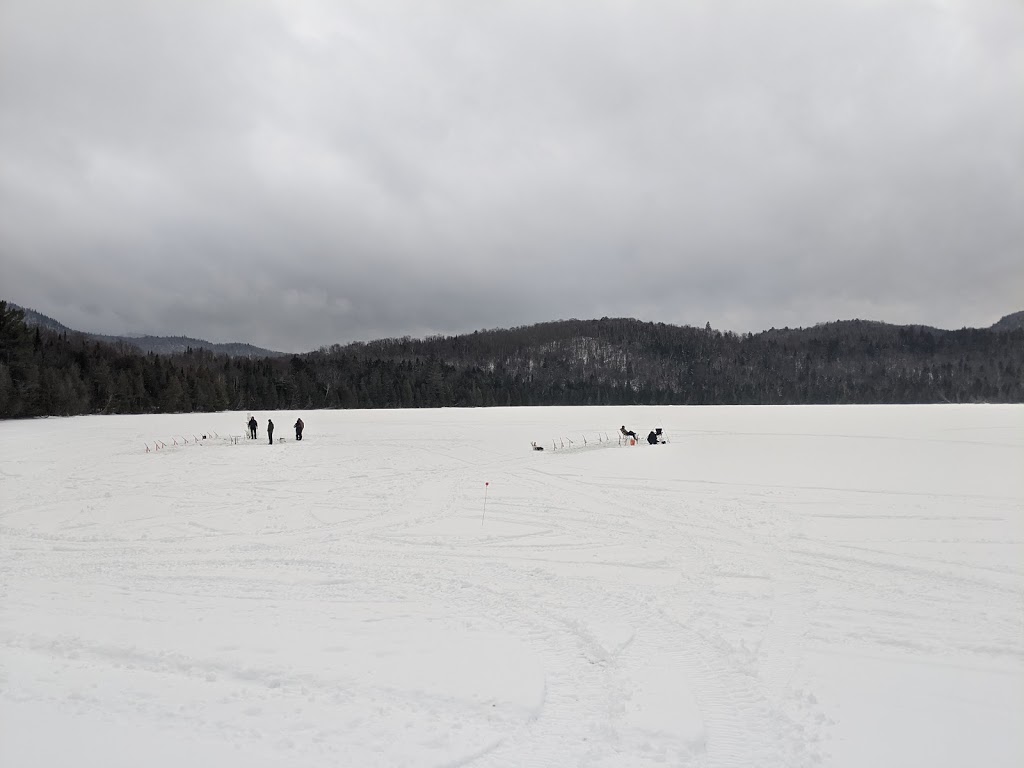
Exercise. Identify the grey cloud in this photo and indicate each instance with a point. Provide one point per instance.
(295, 177)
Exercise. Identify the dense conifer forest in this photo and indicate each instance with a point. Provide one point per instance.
(574, 362)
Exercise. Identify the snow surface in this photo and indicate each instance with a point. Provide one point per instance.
(839, 586)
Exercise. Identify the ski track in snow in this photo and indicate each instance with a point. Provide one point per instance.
(774, 587)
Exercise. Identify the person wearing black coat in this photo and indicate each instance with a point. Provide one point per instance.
(270, 430)
(252, 427)
(298, 429)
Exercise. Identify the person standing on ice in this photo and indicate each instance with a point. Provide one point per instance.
(298, 429)
(252, 427)
(270, 430)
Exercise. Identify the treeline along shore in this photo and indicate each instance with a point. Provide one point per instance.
(572, 362)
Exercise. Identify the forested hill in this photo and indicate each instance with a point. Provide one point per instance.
(161, 345)
(572, 362)
(612, 360)
(1010, 322)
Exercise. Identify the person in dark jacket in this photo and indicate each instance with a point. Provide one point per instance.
(298, 429)
(252, 427)
(270, 430)
(627, 432)
(652, 438)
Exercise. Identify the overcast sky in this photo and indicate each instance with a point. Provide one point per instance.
(294, 174)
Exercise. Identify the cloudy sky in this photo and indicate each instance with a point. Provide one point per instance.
(295, 174)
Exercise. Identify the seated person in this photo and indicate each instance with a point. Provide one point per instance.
(652, 438)
(627, 432)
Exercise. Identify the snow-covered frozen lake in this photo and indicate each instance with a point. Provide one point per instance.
(798, 586)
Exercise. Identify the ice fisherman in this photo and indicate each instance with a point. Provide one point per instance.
(270, 430)
(627, 432)
(653, 438)
(298, 429)
(252, 427)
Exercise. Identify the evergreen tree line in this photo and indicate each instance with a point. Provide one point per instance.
(595, 362)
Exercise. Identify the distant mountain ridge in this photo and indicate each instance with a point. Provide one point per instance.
(611, 348)
(582, 346)
(1012, 322)
(556, 332)
(611, 361)
(160, 345)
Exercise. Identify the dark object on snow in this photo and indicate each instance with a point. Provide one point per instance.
(298, 429)
(252, 427)
(270, 430)
(537, 447)
(652, 438)
(627, 432)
